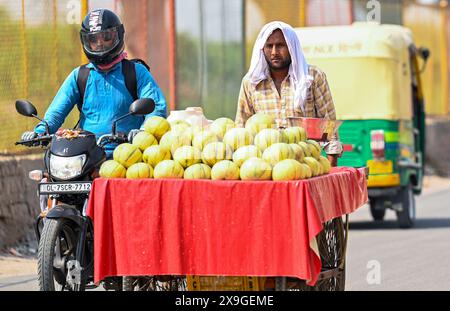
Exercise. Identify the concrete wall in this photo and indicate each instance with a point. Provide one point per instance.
(19, 204)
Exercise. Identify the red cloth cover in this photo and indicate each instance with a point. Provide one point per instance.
(204, 227)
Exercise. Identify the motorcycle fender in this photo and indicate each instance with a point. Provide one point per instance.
(65, 211)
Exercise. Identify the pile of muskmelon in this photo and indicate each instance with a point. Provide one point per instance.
(221, 151)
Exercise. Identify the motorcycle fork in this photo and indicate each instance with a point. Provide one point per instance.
(80, 251)
(51, 202)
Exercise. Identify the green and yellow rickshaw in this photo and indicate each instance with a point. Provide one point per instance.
(374, 75)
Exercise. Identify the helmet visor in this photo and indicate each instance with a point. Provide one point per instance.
(100, 42)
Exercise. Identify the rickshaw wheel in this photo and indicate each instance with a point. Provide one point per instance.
(332, 246)
(377, 209)
(407, 215)
(154, 283)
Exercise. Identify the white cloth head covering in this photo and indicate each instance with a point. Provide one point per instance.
(298, 70)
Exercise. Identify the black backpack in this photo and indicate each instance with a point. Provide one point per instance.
(128, 70)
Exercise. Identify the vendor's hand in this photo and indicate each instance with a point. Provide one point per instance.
(29, 135)
(131, 135)
(334, 150)
(333, 158)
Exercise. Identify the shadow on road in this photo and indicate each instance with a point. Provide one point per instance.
(424, 223)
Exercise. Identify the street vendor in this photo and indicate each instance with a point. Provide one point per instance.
(280, 83)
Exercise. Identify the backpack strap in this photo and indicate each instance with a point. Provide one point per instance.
(129, 72)
(83, 75)
(140, 61)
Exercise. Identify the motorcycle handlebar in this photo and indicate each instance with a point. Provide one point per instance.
(35, 141)
(109, 138)
(41, 140)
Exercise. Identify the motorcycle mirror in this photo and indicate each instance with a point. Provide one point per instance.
(26, 108)
(139, 107)
(142, 106)
(424, 53)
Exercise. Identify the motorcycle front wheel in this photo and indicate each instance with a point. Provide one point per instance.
(57, 247)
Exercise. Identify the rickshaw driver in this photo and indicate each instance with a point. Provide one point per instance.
(280, 83)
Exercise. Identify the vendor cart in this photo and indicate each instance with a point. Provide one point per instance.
(169, 234)
(332, 242)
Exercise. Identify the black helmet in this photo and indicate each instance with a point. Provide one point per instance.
(102, 36)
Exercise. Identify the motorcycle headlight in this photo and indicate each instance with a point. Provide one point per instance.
(66, 167)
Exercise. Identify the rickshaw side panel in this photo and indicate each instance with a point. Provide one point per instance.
(399, 148)
(355, 135)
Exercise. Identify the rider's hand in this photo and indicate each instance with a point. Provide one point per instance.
(131, 135)
(29, 135)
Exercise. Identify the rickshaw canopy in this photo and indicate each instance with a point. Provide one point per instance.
(367, 66)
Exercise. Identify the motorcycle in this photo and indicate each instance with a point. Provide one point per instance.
(64, 232)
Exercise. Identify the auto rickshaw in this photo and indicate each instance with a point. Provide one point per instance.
(374, 75)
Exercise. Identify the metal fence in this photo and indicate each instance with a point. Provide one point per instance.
(39, 47)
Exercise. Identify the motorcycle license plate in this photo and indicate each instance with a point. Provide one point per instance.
(67, 187)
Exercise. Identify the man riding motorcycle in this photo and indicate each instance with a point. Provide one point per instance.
(114, 96)
(106, 95)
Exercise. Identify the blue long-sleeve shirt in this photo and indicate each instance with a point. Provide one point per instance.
(106, 98)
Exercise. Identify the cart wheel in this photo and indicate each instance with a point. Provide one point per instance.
(154, 283)
(331, 241)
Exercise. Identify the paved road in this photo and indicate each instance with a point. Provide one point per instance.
(383, 257)
(380, 256)
(19, 283)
